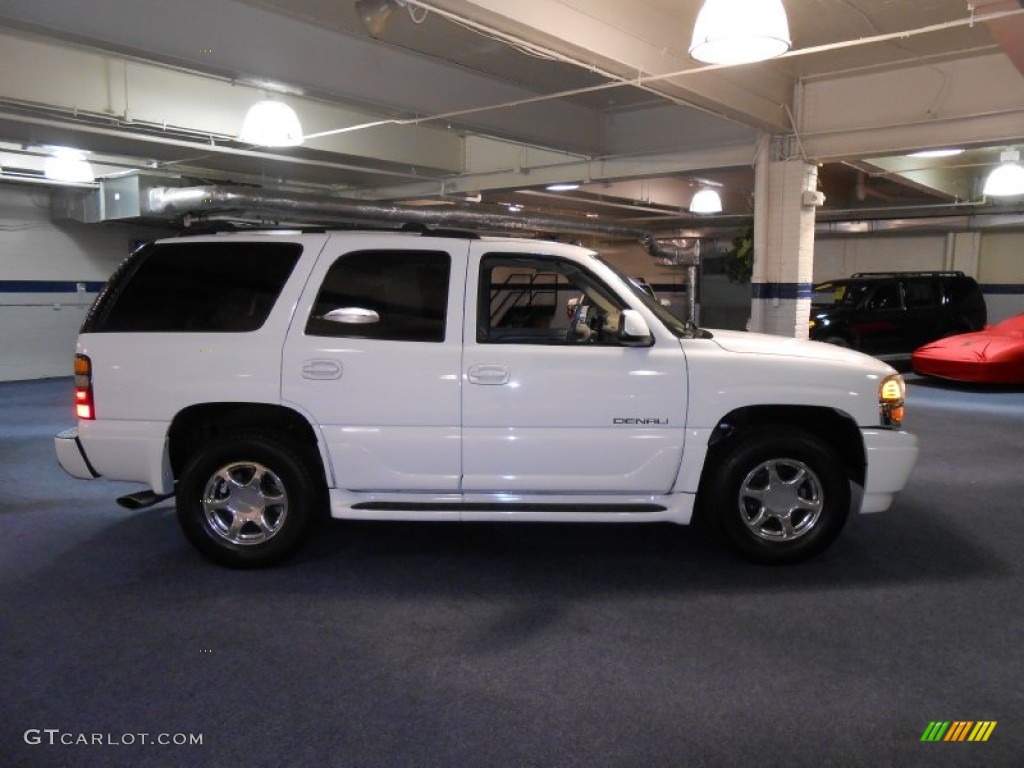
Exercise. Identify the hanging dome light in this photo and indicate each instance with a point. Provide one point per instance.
(740, 31)
(271, 124)
(706, 201)
(1008, 178)
(68, 165)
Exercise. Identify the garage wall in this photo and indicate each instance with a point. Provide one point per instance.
(1001, 273)
(49, 275)
(841, 257)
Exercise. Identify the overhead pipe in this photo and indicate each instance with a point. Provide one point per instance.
(195, 203)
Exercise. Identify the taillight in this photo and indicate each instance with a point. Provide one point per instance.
(84, 407)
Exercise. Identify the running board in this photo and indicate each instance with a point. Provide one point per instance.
(405, 506)
(142, 499)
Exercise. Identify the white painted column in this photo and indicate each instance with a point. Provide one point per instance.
(783, 246)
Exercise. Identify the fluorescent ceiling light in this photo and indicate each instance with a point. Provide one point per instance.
(1008, 178)
(949, 152)
(740, 31)
(271, 124)
(706, 201)
(566, 187)
(69, 165)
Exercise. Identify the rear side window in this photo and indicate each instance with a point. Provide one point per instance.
(886, 296)
(395, 296)
(960, 289)
(227, 287)
(922, 294)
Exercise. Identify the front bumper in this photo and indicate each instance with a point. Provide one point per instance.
(891, 456)
(71, 455)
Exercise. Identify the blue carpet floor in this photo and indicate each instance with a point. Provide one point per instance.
(487, 645)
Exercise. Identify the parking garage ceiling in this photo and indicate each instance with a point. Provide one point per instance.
(490, 101)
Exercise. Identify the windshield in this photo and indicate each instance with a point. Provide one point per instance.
(839, 293)
(642, 291)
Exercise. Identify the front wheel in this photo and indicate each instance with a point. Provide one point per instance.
(247, 500)
(780, 494)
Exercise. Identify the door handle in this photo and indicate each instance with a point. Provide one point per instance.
(493, 375)
(321, 369)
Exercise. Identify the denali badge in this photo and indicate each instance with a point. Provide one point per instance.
(639, 421)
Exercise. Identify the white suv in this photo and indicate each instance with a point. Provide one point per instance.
(263, 378)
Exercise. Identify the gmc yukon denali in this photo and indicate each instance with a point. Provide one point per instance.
(265, 379)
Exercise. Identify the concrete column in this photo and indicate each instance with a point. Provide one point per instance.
(783, 246)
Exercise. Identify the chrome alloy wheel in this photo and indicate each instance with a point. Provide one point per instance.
(781, 500)
(245, 503)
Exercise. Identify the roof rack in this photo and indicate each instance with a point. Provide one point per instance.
(423, 229)
(228, 225)
(912, 273)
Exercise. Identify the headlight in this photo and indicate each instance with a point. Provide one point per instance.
(892, 394)
(812, 324)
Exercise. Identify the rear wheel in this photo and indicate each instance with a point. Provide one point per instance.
(248, 500)
(780, 494)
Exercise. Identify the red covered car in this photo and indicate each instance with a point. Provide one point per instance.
(994, 355)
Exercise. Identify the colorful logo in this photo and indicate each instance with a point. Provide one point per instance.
(958, 730)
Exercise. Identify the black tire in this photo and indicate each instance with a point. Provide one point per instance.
(248, 500)
(809, 494)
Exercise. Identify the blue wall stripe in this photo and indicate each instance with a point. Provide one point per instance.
(1002, 288)
(781, 290)
(49, 286)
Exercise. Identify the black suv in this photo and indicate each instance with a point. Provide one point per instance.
(895, 312)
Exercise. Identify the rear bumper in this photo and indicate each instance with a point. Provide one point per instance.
(135, 451)
(891, 456)
(71, 455)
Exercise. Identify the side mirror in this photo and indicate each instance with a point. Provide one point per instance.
(352, 316)
(633, 329)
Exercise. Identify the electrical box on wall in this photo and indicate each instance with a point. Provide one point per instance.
(813, 198)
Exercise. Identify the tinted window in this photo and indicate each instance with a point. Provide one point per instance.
(524, 300)
(195, 287)
(408, 291)
(886, 296)
(961, 288)
(922, 293)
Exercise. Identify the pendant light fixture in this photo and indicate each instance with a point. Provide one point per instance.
(271, 124)
(706, 201)
(740, 31)
(1008, 179)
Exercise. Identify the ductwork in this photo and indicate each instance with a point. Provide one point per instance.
(974, 222)
(195, 205)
